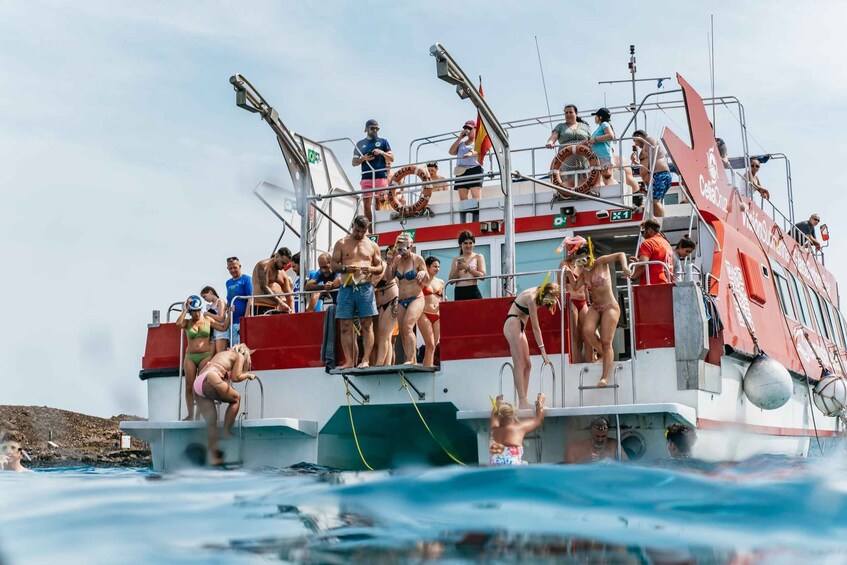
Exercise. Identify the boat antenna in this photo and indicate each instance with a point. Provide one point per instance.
(711, 38)
(633, 80)
(543, 82)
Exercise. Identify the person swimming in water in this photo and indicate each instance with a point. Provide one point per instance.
(507, 432)
(214, 383)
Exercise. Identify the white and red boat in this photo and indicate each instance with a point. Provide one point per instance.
(770, 292)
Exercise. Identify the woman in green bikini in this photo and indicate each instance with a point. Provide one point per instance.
(198, 329)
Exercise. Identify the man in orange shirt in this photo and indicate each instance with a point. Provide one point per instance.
(654, 248)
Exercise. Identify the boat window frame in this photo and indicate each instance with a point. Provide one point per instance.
(784, 302)
(817, 307)
(799, 285)
(838, 336)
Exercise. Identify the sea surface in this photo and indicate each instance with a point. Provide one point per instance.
(764, 510)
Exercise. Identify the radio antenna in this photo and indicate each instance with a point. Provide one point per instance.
(543, 82)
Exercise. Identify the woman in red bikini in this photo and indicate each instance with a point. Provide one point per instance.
(578, 301)
(525, 307)
(604, 312)
(429, 323)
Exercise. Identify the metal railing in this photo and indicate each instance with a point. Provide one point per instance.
(249, 298)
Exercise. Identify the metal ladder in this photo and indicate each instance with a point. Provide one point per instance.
(614, 386)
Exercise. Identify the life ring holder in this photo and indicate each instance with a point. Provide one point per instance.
(405, 210)
(578, 150)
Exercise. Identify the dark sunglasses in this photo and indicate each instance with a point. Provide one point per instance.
(375, 128)
(466, 129)
(755, 166)
(229, 259)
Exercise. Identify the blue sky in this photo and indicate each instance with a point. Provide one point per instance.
(127, 169)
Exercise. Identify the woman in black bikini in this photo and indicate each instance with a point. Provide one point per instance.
(525, 305)
(410, 271)
(386, 293)
(468, 265)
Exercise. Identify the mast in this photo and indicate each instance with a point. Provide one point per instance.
(449, 71)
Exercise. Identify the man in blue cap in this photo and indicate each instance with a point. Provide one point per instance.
(374, 155)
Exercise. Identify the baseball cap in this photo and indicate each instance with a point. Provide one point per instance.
(371, 122)
(604, 114)
(469, 124)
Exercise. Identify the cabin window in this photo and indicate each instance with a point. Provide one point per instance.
(800, 296)
(837, 330)
(841, 326)
(784, 292)
(534, 256)
(446, 256)
(817, 307)
(752, 278)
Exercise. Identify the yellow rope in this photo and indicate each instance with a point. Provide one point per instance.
(353, 426)
(447, 451)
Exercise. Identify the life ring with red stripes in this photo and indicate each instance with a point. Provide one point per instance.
(396, 178)
(578, 150)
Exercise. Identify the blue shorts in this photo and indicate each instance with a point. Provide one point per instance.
(356, 301)
(661, 184)
(236, 334)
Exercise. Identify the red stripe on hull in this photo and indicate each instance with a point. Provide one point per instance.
(473, 329)
(706, 424)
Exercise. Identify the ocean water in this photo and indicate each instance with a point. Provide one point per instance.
(764, 510)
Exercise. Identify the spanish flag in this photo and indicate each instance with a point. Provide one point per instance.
(482, 144)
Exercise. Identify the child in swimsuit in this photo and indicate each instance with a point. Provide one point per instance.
(507, 432)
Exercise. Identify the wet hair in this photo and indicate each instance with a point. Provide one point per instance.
(686, 242)
(242, 349)
(549, 288)
(361, 222)
(284, 252)
(296, 258)
(600, 423)
(209, 289)
(465, 235)
(651, 224)
(682, 436)
(506, 410)
(403, 237)
(7, 436)
(432, 259)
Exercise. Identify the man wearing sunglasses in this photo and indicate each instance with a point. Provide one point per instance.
(11, 451)
(239, 285)
(374, 155)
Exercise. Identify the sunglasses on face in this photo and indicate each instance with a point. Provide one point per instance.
(466, 129)
(374, 128)
(754, 166)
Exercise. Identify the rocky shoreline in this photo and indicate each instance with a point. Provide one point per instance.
(60, 438)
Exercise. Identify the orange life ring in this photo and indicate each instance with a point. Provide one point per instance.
(406, 210)
(580, 151)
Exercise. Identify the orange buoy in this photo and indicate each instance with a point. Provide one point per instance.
(405, 210)
(578, 150)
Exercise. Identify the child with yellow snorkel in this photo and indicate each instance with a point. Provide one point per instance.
(525, 307)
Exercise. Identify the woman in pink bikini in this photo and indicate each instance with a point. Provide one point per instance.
(525, 307)
(604, 312)
(430, 322)
(214, 383)
(578, 302)
(410, 271)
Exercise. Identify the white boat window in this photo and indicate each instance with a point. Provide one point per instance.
(817, 307)
(800, 297)
(535, 256)
(784, 292)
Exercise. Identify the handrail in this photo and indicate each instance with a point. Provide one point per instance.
(647, 271)
(503, 366)
(181, 377)
(574, 193)
(261, 398)
(552, 383)
(171, 309)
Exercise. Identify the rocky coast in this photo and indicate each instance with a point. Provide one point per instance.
(60, 438)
